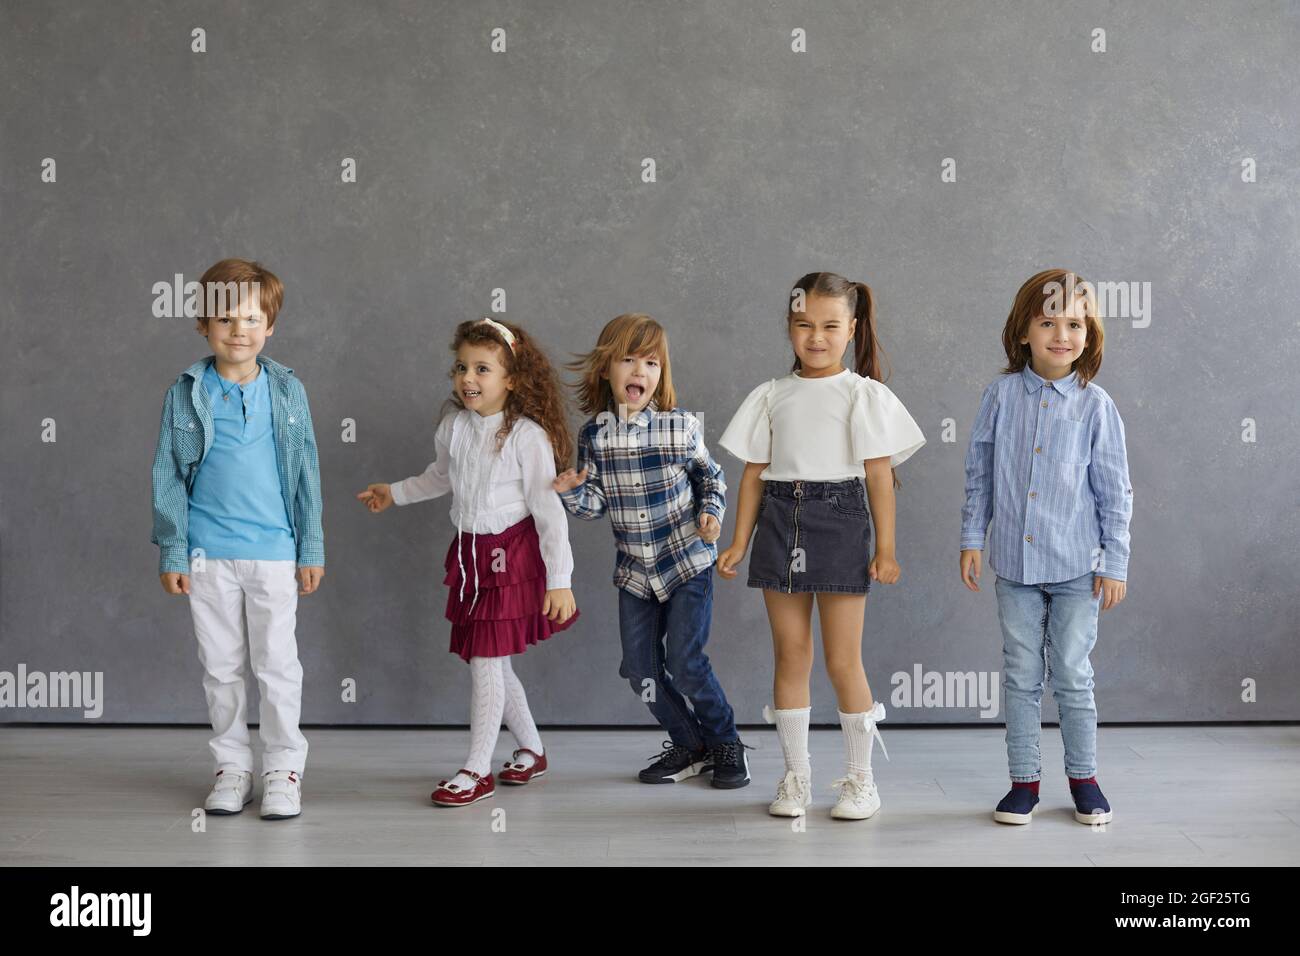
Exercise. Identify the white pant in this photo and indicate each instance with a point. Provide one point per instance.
(233, 602)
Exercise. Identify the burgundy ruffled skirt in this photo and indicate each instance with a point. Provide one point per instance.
(507, 616)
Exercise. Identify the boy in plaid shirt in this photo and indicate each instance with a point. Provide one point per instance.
(643, 463)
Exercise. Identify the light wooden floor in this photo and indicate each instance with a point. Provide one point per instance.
(1183, 796)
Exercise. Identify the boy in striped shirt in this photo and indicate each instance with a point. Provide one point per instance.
(1048, 470)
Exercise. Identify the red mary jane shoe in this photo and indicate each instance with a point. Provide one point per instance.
(517, 774)
(453, 796)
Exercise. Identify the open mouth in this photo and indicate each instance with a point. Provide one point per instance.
(1061, 351)
(471, 393)
(634, 392)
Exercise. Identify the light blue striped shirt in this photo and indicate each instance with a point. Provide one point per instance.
(1047, 466)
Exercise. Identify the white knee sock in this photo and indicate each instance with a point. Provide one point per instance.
(792, 728)
(860, 734)
(518, 717)
(486, 703)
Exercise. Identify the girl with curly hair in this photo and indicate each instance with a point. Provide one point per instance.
(497, 453)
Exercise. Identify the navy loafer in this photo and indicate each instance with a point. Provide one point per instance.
(1090, 805)
(1017, 806)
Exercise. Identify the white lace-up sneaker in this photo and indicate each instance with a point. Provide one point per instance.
(793, 796)
(232, 792)
(858, 798)
(281, 795)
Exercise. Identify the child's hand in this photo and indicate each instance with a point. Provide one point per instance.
(309, 579)
(883, 569)
(174, 582)
(559, 605)
(1115, 591)
(375, 497)
(568, 480)
(970, 568)
(729, 558)
(710, 530)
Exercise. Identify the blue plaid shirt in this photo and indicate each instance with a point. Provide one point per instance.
(1048, 467)
(654, 477)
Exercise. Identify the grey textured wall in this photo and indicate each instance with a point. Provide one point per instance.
(522, 171)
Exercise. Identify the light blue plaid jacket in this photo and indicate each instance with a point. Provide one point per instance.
(185, 437)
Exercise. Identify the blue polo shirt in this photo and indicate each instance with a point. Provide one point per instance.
(236, 507)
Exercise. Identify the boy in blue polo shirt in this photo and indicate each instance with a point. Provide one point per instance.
(237, 519)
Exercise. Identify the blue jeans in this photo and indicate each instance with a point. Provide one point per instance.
(684, 618)
(1052, 625)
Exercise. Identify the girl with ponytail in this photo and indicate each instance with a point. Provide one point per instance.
(810, 440)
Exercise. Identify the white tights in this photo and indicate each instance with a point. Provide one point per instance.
(496, 692)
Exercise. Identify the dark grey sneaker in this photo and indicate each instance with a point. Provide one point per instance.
(730, 765)
(676, 763)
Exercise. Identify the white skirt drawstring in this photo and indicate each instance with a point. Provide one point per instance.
(477, 495)
(474, 560)
(460, 562)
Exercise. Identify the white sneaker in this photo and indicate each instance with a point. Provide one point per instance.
(858, 798)
(793, 796)
(231, 793)
(281, 795)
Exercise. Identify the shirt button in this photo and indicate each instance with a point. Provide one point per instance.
(290, 419)
(191, 424)
(1044, 404)
(643, 514)
(1033, 494)
(1038, 450)
(637, 483)
(1029, 537)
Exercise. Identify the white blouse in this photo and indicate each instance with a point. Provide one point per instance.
(821, 429)
(491, 489)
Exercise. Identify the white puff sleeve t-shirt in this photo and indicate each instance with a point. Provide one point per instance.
(821, 429)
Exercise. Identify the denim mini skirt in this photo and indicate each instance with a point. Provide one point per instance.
(812, 536)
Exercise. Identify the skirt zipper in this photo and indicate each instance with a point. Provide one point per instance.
(789, 574)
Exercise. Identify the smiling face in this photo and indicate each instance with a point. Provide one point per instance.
(237, 336)
(480, 378)
(820, 334)
(1057, 341)
(633, 380)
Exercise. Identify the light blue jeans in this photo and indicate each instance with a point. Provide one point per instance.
(1048, 630)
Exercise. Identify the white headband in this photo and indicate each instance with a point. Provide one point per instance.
(505, 333)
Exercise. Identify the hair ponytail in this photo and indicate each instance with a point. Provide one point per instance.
(867, 353)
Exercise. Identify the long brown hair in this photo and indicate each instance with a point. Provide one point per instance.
(536, 393)
(633, 333)
(867, 352)
(1031, 304)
